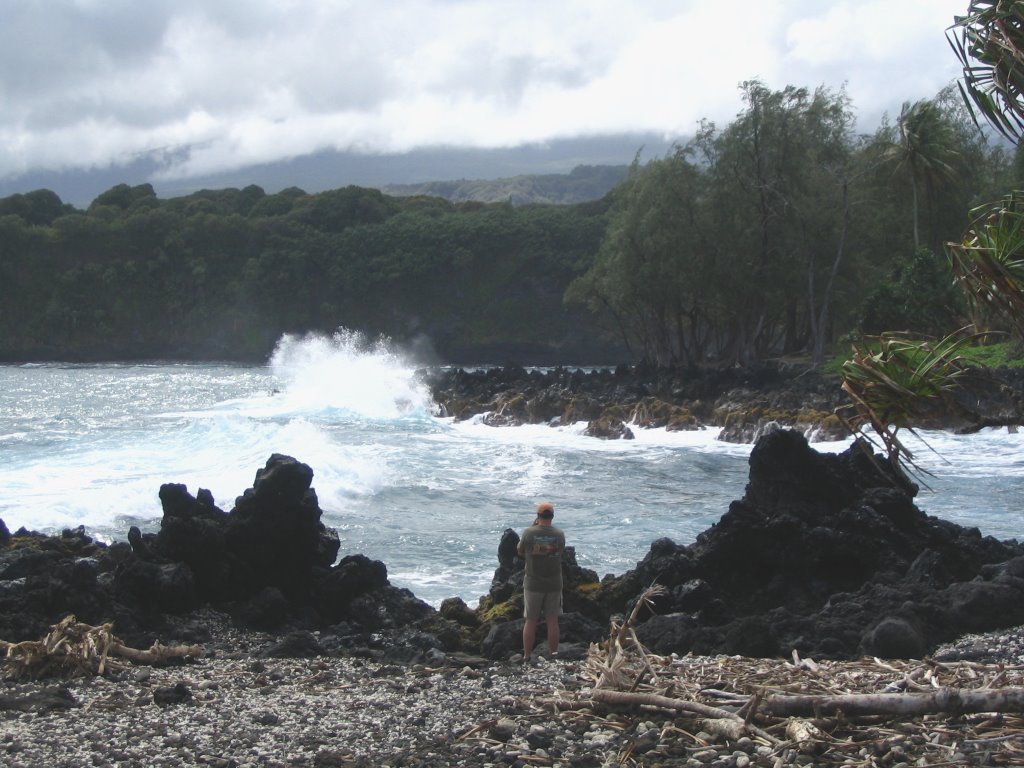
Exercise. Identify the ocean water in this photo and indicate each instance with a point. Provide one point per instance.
(90, 445)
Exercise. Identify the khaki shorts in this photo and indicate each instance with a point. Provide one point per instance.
(537, 603)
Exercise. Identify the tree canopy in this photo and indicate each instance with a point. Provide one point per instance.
(223, 273)
(779, 233)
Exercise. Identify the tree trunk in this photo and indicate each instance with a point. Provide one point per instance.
(950, 701)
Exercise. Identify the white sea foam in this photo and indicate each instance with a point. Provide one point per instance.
(91, 445)
(346, 374)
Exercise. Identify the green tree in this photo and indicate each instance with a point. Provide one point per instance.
(919, 297)
(654, 277)
(123, 196)
(38, 208)
(779, 174)
(736, 246)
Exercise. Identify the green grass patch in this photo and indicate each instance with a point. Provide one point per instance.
(1003, 354)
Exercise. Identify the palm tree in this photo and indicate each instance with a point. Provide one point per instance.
(924, 151)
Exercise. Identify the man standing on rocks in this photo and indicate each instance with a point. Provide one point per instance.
(542, 545)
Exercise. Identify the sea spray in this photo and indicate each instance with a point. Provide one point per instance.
(347, 373)
(91, 445)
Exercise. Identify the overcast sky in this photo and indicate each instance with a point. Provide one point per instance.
(206, 86)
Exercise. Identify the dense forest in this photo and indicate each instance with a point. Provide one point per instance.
(783, 232)
(223, 274)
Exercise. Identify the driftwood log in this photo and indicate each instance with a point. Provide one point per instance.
(74, 649)
(828, 709)
(944, 701)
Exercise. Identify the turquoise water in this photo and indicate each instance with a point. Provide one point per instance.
(91, 444)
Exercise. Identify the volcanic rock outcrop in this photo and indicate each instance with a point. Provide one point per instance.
(825, 554)
(270, 561)
(739, 402)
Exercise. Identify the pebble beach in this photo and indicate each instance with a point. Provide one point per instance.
(234, 707)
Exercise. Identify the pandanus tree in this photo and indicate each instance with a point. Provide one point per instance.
(988, 262)
(989, 41)
(894, 382)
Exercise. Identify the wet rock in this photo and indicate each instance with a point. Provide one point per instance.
(274, 532)
(609, 428)
(744, 403)
(267, 610)
(455, 609)
(810, 529)
(612, 402)
(269, 560)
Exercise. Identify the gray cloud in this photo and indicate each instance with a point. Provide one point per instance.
(200, 87)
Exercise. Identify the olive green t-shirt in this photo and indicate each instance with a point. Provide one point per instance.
(542, 546)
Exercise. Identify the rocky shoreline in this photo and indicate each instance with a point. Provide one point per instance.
(825, 554)
(316, 659)
(741, 403)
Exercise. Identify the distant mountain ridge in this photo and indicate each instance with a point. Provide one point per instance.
(328, 169)
(583, 184)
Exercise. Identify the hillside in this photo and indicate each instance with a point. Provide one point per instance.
(582, 184)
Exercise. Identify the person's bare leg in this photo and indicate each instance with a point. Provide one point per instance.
(553, 634)
(529, 635)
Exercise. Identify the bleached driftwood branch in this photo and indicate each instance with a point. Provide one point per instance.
(949, 701)
(74, 649)
(634, 699)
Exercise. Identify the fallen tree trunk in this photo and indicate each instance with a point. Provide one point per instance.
(631, 698)
(157, 653)
(45, 700)
(949, 701)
